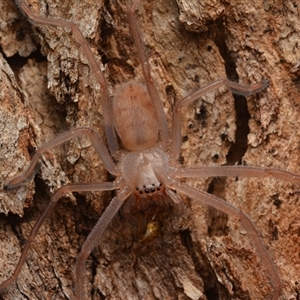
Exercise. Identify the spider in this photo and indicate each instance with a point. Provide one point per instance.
(146, 162)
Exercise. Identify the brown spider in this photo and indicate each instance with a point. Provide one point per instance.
(147, 169)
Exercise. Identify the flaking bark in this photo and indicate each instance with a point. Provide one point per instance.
(47, 87)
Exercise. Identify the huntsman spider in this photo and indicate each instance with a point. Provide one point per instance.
(142, 153)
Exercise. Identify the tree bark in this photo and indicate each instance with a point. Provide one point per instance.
(47, 87)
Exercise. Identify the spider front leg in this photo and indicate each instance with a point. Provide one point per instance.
(28, 174)
(78, 187)
(80, 39)
(152, 90)
(236, 171)
(94, 238)
(77, 132)
(246, 222)
(237, 88)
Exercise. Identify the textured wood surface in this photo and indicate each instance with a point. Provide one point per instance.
(47, 87)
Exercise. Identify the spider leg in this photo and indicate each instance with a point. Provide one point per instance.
(237, 88)
(236, 171)
(96, 142)
(78, 187)
(94, 238)
(156, 101)
(234, 212)
(80, 39)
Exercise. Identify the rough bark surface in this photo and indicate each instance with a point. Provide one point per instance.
(47, 88)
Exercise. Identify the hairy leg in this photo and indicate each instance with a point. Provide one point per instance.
(96, 142)
(246, 222)
(234, 171)
(78, 187)
(156, 101)
(236, 88)
(106, 107)
(94, 238)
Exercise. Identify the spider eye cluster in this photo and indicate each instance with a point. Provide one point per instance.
(149, 188)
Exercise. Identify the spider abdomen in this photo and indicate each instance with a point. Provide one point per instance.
(135, 117)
